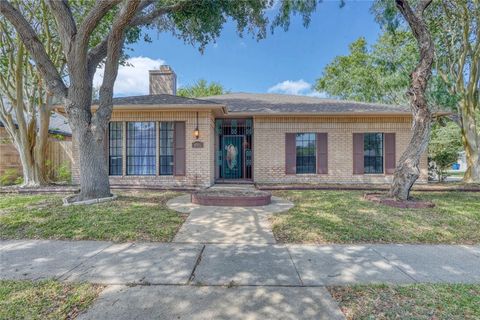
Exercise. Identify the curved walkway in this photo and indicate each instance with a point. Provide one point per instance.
(241, 225)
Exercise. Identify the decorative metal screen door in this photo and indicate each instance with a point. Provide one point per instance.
(232, 157)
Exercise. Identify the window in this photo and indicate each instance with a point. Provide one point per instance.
(306, 151)
(115, 148)
(373, 152)
(141, 148)
(166, 148)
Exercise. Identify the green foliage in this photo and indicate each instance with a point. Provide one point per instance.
(61, 173)
(201, 88)
(10, 177)
(445, 144)
(64, 174)
(380, 73)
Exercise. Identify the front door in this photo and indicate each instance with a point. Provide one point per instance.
(232, 166)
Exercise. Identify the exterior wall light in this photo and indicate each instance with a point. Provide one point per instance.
(196, 132)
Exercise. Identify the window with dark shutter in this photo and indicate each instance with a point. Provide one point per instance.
(115, 146)
(306, 152)
(373, 153)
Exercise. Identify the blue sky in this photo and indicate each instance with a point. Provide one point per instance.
(284, 62)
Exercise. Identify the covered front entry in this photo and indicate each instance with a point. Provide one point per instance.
(233, 147)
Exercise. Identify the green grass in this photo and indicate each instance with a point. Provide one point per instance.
(44, 299)
(345, 217)
(134, 216)
(419, 301)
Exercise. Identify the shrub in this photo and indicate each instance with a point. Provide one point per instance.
(64, 173)
(10, 177)
(445, 144)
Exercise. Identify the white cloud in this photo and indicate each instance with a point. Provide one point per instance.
(133, 78)
(297, 87)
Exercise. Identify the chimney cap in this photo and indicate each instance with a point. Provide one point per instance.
(162, 69)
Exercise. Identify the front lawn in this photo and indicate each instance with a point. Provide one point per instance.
(134, 216)
(44, 299)
(418, 301)
(345, 217)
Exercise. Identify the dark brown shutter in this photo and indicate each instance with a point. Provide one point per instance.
(389, 153)
(358, 153)
(290, 154)
(179, 154)
(322, 153)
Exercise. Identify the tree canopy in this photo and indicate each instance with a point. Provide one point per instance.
(201, 88)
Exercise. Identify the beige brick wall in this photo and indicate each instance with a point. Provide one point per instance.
(269, 147)
(199, 168)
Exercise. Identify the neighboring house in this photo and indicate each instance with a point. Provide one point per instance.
(165, 140)
(59, 148)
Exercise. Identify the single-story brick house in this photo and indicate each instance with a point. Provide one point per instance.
(162, 139)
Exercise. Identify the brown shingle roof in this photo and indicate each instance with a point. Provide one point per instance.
(283, 103)
(157, 99)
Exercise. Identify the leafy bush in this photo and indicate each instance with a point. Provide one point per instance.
(61, 173)
(64, 173)
(10, 177)
(445, 144)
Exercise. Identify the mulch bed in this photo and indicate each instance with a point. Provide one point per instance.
(408, 204)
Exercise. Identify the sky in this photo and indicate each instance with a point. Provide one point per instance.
(285, 62)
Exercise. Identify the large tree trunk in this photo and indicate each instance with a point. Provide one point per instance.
(93, 167)
(41, 140)
(407, 171)
(94, 180)
(470, 140)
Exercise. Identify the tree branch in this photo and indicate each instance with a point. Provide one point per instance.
(67, 28)
(92, 20)
(35, 47)
(114, 50)
(99, 52)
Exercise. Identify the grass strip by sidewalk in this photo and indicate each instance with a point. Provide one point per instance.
(48, 299)
(134, 216)
(418, 301)
(345, 217)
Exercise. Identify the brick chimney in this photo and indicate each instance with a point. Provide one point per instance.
(163, 81)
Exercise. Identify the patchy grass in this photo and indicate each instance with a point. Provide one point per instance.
(345, 217)
(44, 299)
(418, 301)
(134, 216)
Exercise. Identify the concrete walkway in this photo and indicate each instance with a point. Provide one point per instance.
(228, 264)
(230, 281)
(241, 225)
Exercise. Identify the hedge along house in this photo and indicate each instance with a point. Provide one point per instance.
(165, 140)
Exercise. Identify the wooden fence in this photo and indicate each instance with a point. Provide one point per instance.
(59, 156)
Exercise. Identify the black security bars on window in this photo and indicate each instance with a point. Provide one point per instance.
(373, 152)
(166, 148)
(115, 147)
(306, 152)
